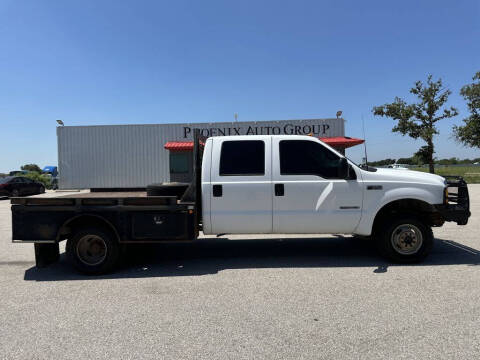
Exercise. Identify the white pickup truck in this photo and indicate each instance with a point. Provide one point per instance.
(250, 185)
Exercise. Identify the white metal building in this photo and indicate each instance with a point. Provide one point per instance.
(133, 156)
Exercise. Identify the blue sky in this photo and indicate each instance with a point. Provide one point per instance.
(119, 62)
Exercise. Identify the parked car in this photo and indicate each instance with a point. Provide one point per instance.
(15, 186)
(398, 166)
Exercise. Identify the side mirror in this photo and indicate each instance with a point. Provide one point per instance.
(343, 169)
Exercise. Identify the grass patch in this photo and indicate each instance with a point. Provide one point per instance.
(471, 174)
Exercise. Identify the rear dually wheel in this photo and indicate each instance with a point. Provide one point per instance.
(93, 251)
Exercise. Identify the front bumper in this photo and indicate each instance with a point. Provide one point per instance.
(457, 207)
(454, 213)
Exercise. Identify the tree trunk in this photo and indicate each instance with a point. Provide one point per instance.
(431, 168)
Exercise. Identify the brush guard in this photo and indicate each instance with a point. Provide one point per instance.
(456, 206)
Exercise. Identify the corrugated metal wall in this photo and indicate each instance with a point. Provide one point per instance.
(133, 155)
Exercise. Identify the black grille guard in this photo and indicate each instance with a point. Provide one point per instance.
(457, 207)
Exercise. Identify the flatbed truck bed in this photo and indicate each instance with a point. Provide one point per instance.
(128, 217)
(98, 224)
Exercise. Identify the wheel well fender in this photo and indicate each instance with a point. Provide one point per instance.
(415, 207)
(374, 203)
(86, 220)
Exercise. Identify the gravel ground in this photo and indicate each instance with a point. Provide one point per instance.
(266, 298)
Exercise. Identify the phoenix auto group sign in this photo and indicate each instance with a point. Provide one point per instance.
(283, 129)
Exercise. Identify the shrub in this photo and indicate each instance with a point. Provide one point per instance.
(31, 167)
(42, 178)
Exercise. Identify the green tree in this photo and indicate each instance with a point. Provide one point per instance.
(381, 162)
(406, 161)
(31, 167)
(469, 134)
(418, 120)
(451, 161)
(422, 155)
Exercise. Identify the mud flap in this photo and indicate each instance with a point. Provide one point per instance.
(46, 254)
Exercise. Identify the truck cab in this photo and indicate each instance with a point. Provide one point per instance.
(278, 184)
(300, 185)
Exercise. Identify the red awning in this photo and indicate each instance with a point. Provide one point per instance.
(179, 145)
(337, 142)
(342, 142)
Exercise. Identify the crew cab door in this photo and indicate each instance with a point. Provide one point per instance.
(308, 195)
(241, 185)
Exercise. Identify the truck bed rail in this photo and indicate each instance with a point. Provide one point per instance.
(98, 201)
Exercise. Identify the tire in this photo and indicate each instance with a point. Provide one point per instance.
(15, 193)
(41, 190)
(167, 189)
(404, 239)
(93, 251)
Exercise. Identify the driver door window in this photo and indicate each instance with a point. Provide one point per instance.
(300, 157)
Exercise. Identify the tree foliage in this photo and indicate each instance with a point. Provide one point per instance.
(418, 119)
(42, 178)
(469, 133)
(31, 167)
(414, 160)
(422, 155)
(382, 162)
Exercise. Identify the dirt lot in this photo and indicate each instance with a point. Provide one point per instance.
(270, 297)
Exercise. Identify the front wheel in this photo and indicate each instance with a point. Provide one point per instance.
(93, 251)
(404, 239)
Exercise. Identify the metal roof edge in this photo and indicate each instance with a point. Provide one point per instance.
(198, 123)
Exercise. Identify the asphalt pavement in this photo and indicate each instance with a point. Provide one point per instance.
(259, 297)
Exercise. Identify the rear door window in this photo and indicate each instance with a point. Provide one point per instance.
(242, 158)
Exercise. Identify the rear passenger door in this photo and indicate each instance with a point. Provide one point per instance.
(241, 181)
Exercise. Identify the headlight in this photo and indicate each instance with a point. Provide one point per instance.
(445, 196)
